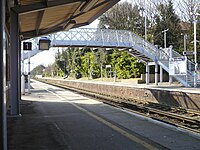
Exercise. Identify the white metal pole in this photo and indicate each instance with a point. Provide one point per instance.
(170, 56)
(161, 69)
(195, 51)
(147, 73)
(195, 41)
(161, 74)
(185, 46)
(22, 77)
(156, 73)
(145, 27)
(29, 74)
(186, 69)
(145, 20)
(165, 37)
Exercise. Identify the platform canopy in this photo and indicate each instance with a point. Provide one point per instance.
(40, 17)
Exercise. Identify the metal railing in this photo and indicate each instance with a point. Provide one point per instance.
(82, 37)
(92, 38)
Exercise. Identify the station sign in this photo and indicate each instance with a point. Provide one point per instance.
(108, 66)
(188, 53)
(27, 46)
(178, 66)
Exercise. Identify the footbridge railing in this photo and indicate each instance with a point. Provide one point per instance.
(124, 40)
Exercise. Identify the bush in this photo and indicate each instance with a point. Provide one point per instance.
(78, 75)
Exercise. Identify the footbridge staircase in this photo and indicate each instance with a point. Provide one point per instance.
(123, 40)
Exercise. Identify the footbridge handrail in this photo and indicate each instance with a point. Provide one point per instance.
(121, 39)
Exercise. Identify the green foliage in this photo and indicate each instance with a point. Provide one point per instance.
(167, 19)
(69, 61)
(85, 65)
(125, 65)
(38, 70)
(88, 63)
(123, 16)
(126, 16)
(90, 66)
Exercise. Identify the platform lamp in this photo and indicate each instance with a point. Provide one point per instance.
(44, 43)
(195, 47)
(184, 42)
(165, 37)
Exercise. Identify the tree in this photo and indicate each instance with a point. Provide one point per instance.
(167, 19)
(124, 16)
(125, 65)
(187, 8)
(69, 61)
(38, 70)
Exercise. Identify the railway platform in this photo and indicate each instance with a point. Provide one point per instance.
(53, 118)
(173, 95)
(165, 86)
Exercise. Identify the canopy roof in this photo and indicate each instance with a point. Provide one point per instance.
(40, 17)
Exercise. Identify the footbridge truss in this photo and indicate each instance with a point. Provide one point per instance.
(123, 40)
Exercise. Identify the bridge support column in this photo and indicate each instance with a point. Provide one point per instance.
(156, 73)
(14, 64)
(161, 74)
(170, 56)
(170, 79)
(3, 120)
(147, 73)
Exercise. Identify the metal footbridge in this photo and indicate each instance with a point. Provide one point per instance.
(123, 40)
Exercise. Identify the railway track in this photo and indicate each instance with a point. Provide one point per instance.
(179, 117)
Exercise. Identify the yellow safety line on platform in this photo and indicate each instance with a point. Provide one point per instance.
(112, 126)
